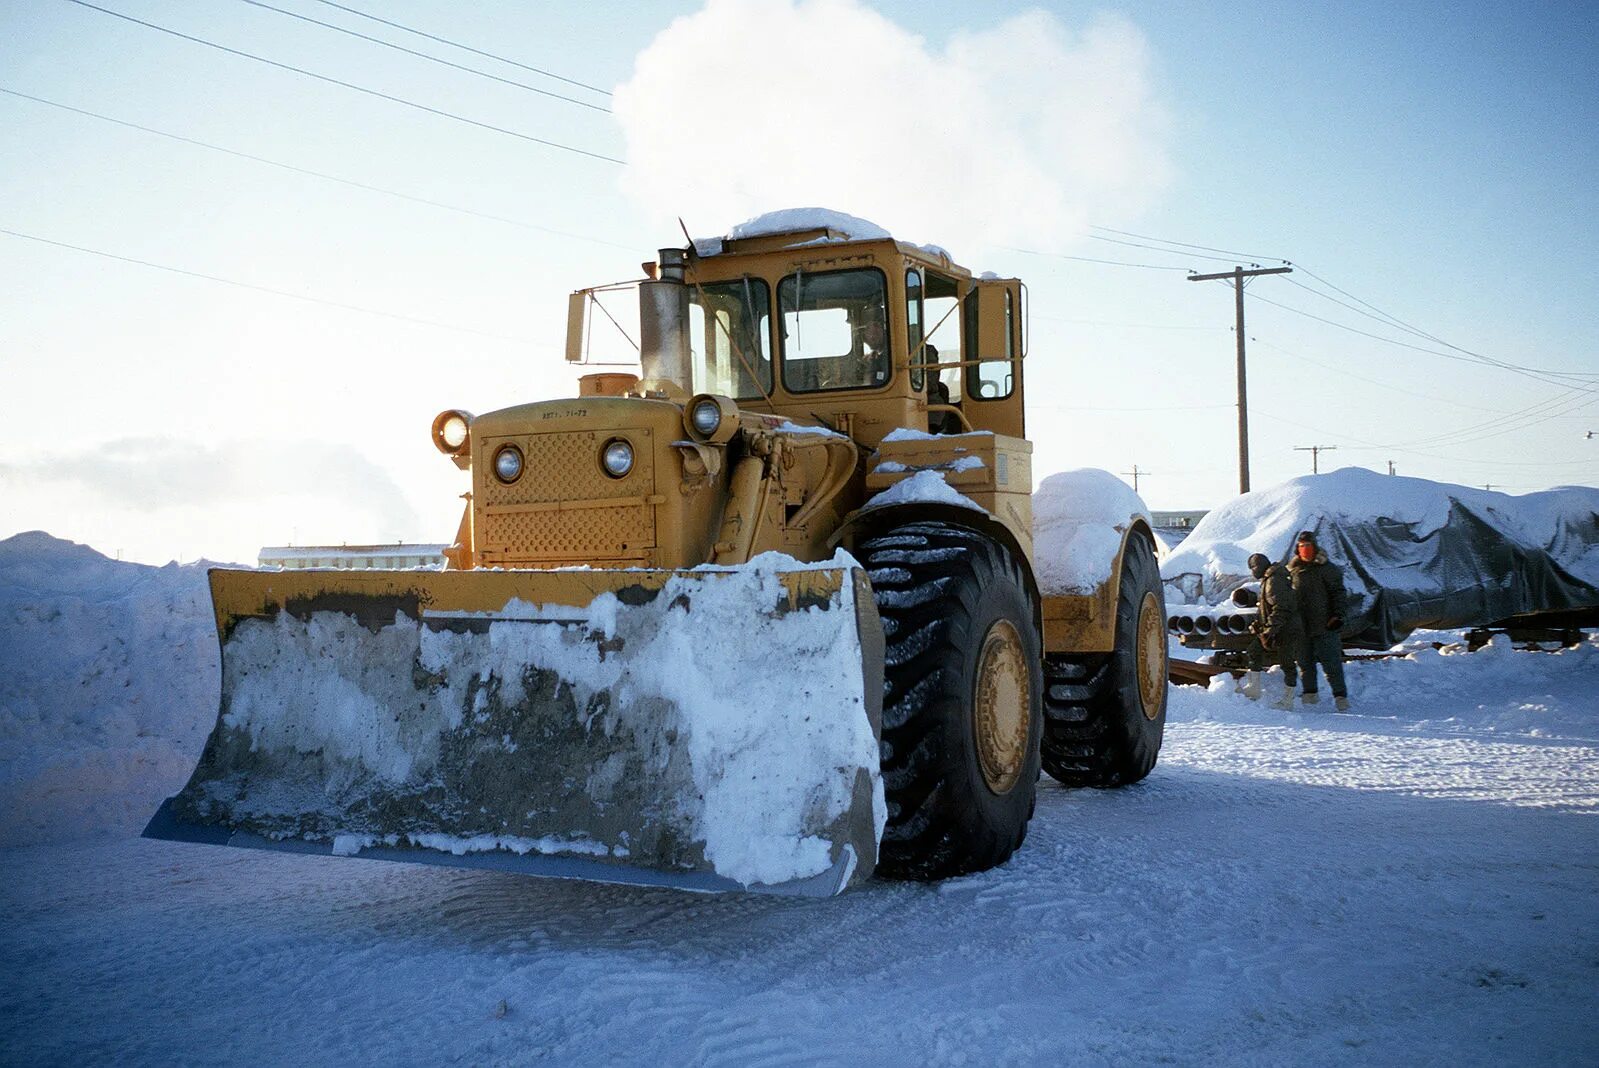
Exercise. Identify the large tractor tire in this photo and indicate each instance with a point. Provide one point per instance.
(962, 699)
(1105, 713)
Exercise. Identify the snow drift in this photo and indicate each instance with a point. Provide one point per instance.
(1414, 553)
(109, 675)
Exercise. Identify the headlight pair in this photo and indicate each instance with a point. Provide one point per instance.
(616, 459)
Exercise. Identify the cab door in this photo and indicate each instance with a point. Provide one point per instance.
(995, 345)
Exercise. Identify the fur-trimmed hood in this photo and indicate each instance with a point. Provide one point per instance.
(1296, 564)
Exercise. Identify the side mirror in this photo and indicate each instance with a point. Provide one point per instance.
(577, 306)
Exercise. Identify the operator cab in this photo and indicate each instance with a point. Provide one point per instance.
(827, 320)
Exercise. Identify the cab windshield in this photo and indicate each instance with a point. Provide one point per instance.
(835, 330)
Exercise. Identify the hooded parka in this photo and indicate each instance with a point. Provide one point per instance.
(1319, 587)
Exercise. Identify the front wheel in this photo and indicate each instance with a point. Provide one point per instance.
(962, 702)
(1105, 713)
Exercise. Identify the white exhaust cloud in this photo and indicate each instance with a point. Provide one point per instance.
(1019, 134)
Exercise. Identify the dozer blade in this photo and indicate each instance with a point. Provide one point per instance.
(708, 729)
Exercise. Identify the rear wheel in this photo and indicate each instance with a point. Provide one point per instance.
(1105, 713)
(962, 700)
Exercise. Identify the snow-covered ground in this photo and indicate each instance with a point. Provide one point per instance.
(1417, 882)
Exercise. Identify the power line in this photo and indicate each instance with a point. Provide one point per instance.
(314, 174)
(1505, 422)
(1547, 410)
(1438, 340)
(351, 85)
(1526, 371)
(468, 48)
(1388, 320)
(1153, 248)
(1090, 259)
(1380, 316)
(1373, 381)
(424, 55)
(268, 289)
(1229, 253)
(1130, 326)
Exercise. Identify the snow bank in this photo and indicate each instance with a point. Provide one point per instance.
(108, 688)
(1079, 518)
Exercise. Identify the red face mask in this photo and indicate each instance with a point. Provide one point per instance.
(1307, 551)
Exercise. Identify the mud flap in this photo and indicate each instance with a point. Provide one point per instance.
(713, 729)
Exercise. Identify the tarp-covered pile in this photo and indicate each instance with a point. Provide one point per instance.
(1414, 553)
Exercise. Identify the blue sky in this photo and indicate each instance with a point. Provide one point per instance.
(1437, 163)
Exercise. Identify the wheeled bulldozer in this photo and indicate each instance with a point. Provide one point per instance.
(762, 615)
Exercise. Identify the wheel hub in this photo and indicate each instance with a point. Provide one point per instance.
(1002, 706)
(1151, 655)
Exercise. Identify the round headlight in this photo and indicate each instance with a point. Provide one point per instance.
(508, 463)
(706, 417)
(617, 459)
(453, 431)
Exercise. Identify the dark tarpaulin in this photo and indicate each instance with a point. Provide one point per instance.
(1469, 572)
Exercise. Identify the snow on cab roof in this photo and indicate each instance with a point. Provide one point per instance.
(819, 226)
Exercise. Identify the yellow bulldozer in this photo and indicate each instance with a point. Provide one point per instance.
(764, 615)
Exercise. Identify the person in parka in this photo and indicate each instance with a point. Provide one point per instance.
(1319, 587)
(1279, 631)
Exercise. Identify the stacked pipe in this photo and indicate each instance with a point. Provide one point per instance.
(1205, 620)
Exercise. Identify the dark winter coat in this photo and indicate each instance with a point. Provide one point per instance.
(1279, 606)
(1319, 585)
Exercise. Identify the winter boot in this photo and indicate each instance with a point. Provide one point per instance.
(1285, 703)
(1311, 697)
(1341, 703)
(1250, 687)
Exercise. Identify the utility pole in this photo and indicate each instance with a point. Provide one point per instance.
(1135, 472)
(1315, 456)
(1238, 276)
(1391, 467)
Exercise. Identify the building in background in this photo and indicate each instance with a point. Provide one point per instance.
(398, 556)
(1172, 527)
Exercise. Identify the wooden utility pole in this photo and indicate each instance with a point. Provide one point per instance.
(1135, 472)
(1238, 277)
(1315, 454)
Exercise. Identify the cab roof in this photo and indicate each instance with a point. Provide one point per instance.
(796, 228)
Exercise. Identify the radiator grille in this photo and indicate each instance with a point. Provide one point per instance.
(602, 518)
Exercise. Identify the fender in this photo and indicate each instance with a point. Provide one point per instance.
(1086, 622)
